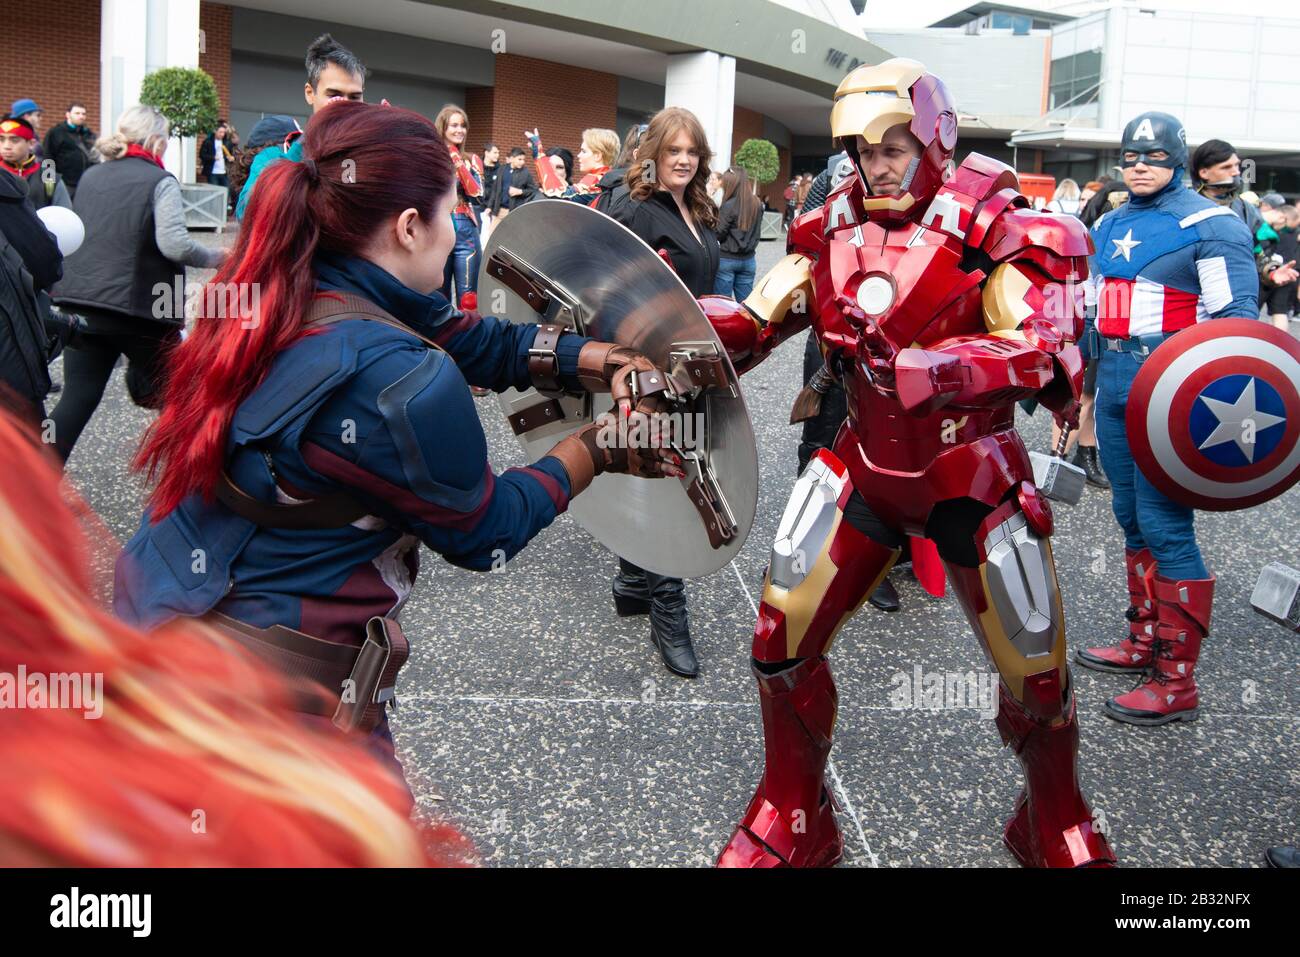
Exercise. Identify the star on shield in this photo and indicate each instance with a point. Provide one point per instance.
(1239, 421)
(1125, 246)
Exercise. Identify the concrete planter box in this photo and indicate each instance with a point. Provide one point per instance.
(204, 205)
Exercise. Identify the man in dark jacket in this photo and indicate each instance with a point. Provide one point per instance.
(71, 145)
(487, 205)
(522, 187)
(215, 157)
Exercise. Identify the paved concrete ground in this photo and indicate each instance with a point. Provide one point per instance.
(547, 729)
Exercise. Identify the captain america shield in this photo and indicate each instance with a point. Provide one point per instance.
(1213, 415)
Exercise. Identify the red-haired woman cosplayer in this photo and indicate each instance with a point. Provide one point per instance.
(318, 425)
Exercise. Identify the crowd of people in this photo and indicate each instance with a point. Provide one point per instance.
(367, 313)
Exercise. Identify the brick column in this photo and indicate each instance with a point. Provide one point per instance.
(214, 50)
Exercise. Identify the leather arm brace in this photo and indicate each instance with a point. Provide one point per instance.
(581, 457)
(600, 362)
(584, 455)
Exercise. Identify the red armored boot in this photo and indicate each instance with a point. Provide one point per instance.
(790, 822)
(1052, 825)
(1133, 654)
(1168, 692)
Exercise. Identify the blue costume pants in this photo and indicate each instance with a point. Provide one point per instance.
(1148, 517)
(463, 263)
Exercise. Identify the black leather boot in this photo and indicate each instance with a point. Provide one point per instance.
(885, 597)
(669, 625)
(631, 592)
(1283, 856)
(1085, 456)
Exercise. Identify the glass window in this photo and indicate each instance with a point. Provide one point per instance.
(1075, 76)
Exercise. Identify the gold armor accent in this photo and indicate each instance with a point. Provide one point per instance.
(800, 603)
(871, 99)
(1005, 307)
(1011, 664)
(889, 202)
(787, 286)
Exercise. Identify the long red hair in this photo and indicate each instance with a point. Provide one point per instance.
(370, 163)
(192, 755)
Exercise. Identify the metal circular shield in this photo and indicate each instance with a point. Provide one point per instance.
(1213, 415)
(582, 269)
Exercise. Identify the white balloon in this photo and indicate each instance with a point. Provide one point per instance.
(67, 227)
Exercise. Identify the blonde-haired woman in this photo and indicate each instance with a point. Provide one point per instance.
(452, 124)
(600, 147)
(1067, 198)
(124, 277)
(669, 207)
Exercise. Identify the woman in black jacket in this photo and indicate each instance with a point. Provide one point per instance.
(128, 278)
(670, 209)
(739, 223)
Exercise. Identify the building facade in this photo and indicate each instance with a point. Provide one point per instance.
(747, 68)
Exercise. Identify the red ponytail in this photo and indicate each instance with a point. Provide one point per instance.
(364, 165)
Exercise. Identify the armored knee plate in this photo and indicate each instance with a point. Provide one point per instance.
(808, 520)
(1022, 587)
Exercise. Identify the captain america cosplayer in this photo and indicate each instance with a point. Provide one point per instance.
(293, 526)
(1165, 261)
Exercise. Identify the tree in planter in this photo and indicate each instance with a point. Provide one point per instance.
(187, 97)
(758, 158)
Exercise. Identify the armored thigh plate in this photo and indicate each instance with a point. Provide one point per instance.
(807, 523)
(1022, 586)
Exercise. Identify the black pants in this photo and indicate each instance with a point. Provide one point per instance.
(819, 432)
(86, 369)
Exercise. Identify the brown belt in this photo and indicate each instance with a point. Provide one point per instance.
(359, 681)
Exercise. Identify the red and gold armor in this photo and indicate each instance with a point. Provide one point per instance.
(938, 307)
(469, 181)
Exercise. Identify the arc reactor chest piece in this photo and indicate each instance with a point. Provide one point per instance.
(875, 295)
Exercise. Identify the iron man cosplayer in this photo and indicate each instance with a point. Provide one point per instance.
(939, 305)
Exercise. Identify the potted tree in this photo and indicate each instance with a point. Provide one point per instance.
(189, 100)
(759, 159)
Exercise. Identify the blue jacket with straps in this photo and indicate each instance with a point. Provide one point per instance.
(366, 409)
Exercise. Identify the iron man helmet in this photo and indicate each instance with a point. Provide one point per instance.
(872, 99)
